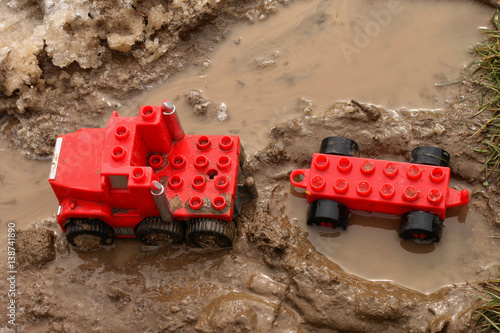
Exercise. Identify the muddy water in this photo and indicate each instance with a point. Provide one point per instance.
(387, 52)
(371, 248)
(391, 53)
(25, 193)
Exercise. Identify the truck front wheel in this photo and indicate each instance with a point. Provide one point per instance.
(153, 231)
(210, 233)
(88, 234)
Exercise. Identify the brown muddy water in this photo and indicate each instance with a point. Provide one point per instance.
(390, 53)
(370, 247)
(326, 51)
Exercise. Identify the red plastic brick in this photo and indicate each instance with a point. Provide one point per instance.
(378, 185)
(107, 173)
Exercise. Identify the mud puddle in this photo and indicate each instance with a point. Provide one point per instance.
(25, 194)
(320, 52)
(370, 247)
(302, 62)
(261, 77)
(271, 272)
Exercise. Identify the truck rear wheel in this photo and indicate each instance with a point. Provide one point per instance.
(338, 145)
(88, 234)
(154, 231)
(423, 226)
(328, 213)
(431, 156)
(209, 233)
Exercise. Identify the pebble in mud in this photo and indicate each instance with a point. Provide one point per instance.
(269, 62)
(199, 103)
(305, 105)
(35, 247)
(222, 112)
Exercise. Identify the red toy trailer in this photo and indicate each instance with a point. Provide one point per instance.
(338, 180)
(143, 177)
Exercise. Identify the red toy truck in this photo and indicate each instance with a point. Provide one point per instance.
(338, 180)
(143, 177)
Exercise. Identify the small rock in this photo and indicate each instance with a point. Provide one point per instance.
(201, 109)
(222, 112)
(198, 102)
(194, 97)
(305, 105)
(264, 63)
(34, 247)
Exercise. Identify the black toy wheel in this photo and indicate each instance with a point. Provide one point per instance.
(338, 145)
(420, 225)
(209, 233)
(431, 156)
(88, 234)
(328, 213)
(154, 231)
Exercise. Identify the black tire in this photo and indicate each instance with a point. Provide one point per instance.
(103, 233)
(328, 213)
(430, 156)
(338, 145)
(154, 231)
(209, 233)
(418, 225)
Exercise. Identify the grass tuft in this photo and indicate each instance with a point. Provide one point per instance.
(488, 315)
(484, 73)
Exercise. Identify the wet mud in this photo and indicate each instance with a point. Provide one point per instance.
(272, 280)
(277, 277)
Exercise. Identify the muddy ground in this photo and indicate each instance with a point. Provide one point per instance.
(272, 280)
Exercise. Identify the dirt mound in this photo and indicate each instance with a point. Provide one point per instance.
(34, 247)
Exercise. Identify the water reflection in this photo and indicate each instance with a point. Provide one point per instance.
(416, 247)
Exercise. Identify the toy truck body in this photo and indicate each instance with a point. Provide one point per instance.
(146, 170)
(419, 192)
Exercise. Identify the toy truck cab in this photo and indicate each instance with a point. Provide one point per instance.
(338, 180)
(143, 177)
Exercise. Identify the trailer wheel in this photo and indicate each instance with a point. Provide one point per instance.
(328, 213)
(431, 156)
(154, 231)
(209, 233)
(88, 234)
(423, 226)
(338, 145)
